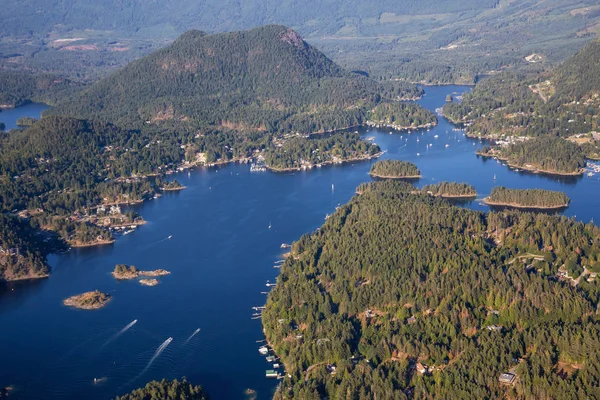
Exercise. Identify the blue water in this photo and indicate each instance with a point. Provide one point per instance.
(10, 115)
(221, 254)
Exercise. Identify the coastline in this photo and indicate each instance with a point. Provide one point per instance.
(532, 169)
(294, 169)
(92, 244)
(456, 196)
(173, 189)
(25, 278)
(515, 205)
(374, 175)
(372, 124)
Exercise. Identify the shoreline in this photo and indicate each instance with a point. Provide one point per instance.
(375, 125)
(374, 175)
(97, 243)
(27, 278)
(177, 189)
(532, 169)
(456, 196)
(514, 205)
(294, 169)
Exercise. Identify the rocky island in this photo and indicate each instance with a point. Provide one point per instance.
(88, 301)
(527, 198)
(395, 169)
(126, 272)
(149, 282)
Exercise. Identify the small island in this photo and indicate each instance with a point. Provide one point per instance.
(88, 301)
(450, 190)
(126, 272)
(395, 169)
(527, 198)
(149, 282)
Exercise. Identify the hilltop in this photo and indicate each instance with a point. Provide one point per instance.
(264, 79)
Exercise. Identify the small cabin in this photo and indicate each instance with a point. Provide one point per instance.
(507, 378)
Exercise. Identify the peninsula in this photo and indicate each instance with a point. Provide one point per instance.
(545, 154)
(395, 169)
(374, 289)
(527, 198)
(88, 301)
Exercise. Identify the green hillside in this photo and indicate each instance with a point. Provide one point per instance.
(401, 295)
(266, 80)
(562, 101)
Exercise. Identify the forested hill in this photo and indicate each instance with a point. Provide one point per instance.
(401, 296)
(562, 102)
(264, 79)
(579, 76)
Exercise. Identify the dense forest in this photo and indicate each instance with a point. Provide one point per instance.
(394, 169)
(544, 154)
(17, 88)
(402, 295)
(527, 198)
(22, 250)
(450, 189)
(167, 390)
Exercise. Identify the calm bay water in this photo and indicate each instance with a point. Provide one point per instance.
(10, 116)
(221, 254)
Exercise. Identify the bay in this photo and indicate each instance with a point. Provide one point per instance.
(221, 254)
(10, 116)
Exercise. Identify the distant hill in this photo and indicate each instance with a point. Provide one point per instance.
(427, 41)
(156, 18)
(264, 79)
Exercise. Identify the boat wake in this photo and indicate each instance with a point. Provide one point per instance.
(122, 331)
(191, 336)
(157, 353)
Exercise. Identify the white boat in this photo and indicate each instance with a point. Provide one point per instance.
(263, 350)
(170, 236)
(436, 136)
